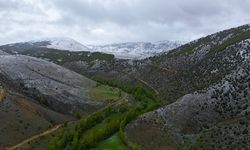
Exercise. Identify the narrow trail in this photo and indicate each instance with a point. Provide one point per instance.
(35, 137)
(144, 82)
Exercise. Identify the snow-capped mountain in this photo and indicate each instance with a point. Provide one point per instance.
(136, 50)
(129, 50)
(63, 44)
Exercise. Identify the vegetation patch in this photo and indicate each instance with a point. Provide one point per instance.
(61, 57)
(112, 143)
(231, 134)
(239, 34)
(100, 126)
(106, 93)
(237, 38)
(187, 49)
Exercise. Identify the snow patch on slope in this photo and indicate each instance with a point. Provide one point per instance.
(136, 50)
(63, 44)
(129, 50)
(3, 53)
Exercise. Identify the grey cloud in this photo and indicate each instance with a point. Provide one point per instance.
(107, 21)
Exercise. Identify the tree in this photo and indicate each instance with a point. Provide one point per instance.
(75, 140)
(119, 93)
(78, 115)
(53, 144)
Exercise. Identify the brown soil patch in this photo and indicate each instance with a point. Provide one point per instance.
(2, 95)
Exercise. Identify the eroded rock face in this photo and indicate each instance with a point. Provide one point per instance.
(58, 88)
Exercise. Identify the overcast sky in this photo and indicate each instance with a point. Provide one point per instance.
(109, 21)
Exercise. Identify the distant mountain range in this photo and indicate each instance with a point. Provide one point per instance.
(130, 50)
(64, 44)
(137, 50)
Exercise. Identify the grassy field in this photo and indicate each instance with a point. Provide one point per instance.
(112, 143)
(106, 93)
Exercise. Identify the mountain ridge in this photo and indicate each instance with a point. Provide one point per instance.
(137, 50)
(210, 88)
(129, 50)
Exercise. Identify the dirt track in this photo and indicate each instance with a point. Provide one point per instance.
(35, 137)
(2, 94)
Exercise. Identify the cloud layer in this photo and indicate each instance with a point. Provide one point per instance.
(108, 21)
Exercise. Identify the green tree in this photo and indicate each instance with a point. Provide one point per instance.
(53, 144)
(75, 140)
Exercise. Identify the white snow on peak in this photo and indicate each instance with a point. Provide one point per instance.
(63, 44)
(128, 50)
(136, 50)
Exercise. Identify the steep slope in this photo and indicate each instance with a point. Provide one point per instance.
(202, 117)
(22, 117)
(49, 84)
(193, 66)
(136, 50)
(64, 44)
(210, 79)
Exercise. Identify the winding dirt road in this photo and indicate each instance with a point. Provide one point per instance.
(45, 133)
(35, 137)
